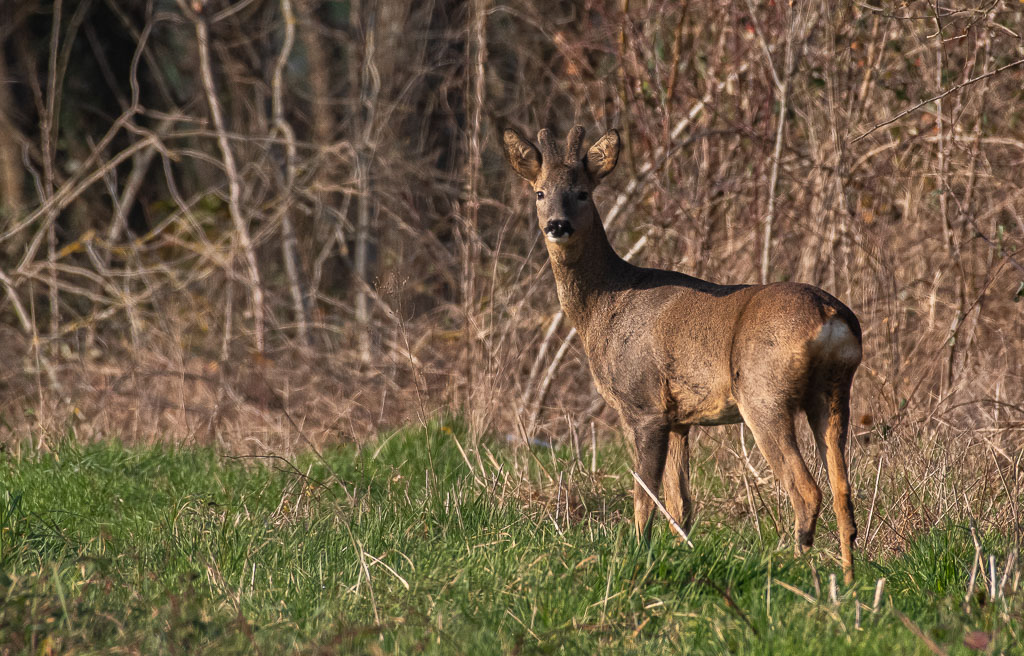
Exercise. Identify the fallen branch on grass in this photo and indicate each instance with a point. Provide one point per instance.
(916, 630)
(672, 522)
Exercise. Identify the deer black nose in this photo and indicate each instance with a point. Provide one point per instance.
(558, 228)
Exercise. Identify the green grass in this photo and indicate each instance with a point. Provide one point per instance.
(396, 548)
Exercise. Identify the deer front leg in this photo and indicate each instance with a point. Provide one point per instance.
(676, 478)
(650, 439)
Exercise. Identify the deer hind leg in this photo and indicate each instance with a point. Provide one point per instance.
(828, 413)
(676, 477)
(650, 439)
(775, 436)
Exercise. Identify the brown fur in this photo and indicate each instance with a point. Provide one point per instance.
(668, 351)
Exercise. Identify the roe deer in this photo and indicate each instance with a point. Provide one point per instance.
(668, 351)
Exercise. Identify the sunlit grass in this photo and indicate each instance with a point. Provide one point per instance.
(407, 545)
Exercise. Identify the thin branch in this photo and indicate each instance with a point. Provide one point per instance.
(945, 93)
(19, 309)
(289, 251)
(671, 520)
(782, 88)
(230, 168)
(72, 188)
(48, 128)
(916, 630)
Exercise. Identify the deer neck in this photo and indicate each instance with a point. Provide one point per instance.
(588, 275)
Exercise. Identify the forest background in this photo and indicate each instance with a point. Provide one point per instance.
(271, 225)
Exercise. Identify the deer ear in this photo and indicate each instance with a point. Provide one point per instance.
(522, 155)
(603, 155)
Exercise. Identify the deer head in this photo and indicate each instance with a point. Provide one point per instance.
(564, 181)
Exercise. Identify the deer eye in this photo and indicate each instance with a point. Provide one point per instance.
(582, 195)
(540, 195)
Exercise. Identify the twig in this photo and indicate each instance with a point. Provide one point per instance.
(992, 577)
(50, 126)
(299, 293)
(365, 71)
(782, 88)
(764, 45)
(378, 561)
(19, 309)
(973, 80)
(230, 168)
(549, 377)
(73, 186)
(143, 160)
(1010, 563)
(941, 161)
(797, 591)
(728, 599)
(62, 198)
(996, 247)
(909, 623)
(369, 581)
(662, 155)
(531, 379)
(974, 566)
(877, 602)
(607, 590)
(672, 522)
(874, 497)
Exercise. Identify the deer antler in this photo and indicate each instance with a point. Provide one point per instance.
(573, 145)
(549, 150)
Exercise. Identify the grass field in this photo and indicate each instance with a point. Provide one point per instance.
(406, 546)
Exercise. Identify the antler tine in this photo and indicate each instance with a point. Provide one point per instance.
(573, 145)
(549, 150)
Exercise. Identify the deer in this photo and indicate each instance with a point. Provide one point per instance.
(669, 351)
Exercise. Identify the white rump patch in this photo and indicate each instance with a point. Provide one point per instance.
(837, 341)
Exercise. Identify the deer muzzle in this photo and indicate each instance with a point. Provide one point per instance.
(558, 230)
